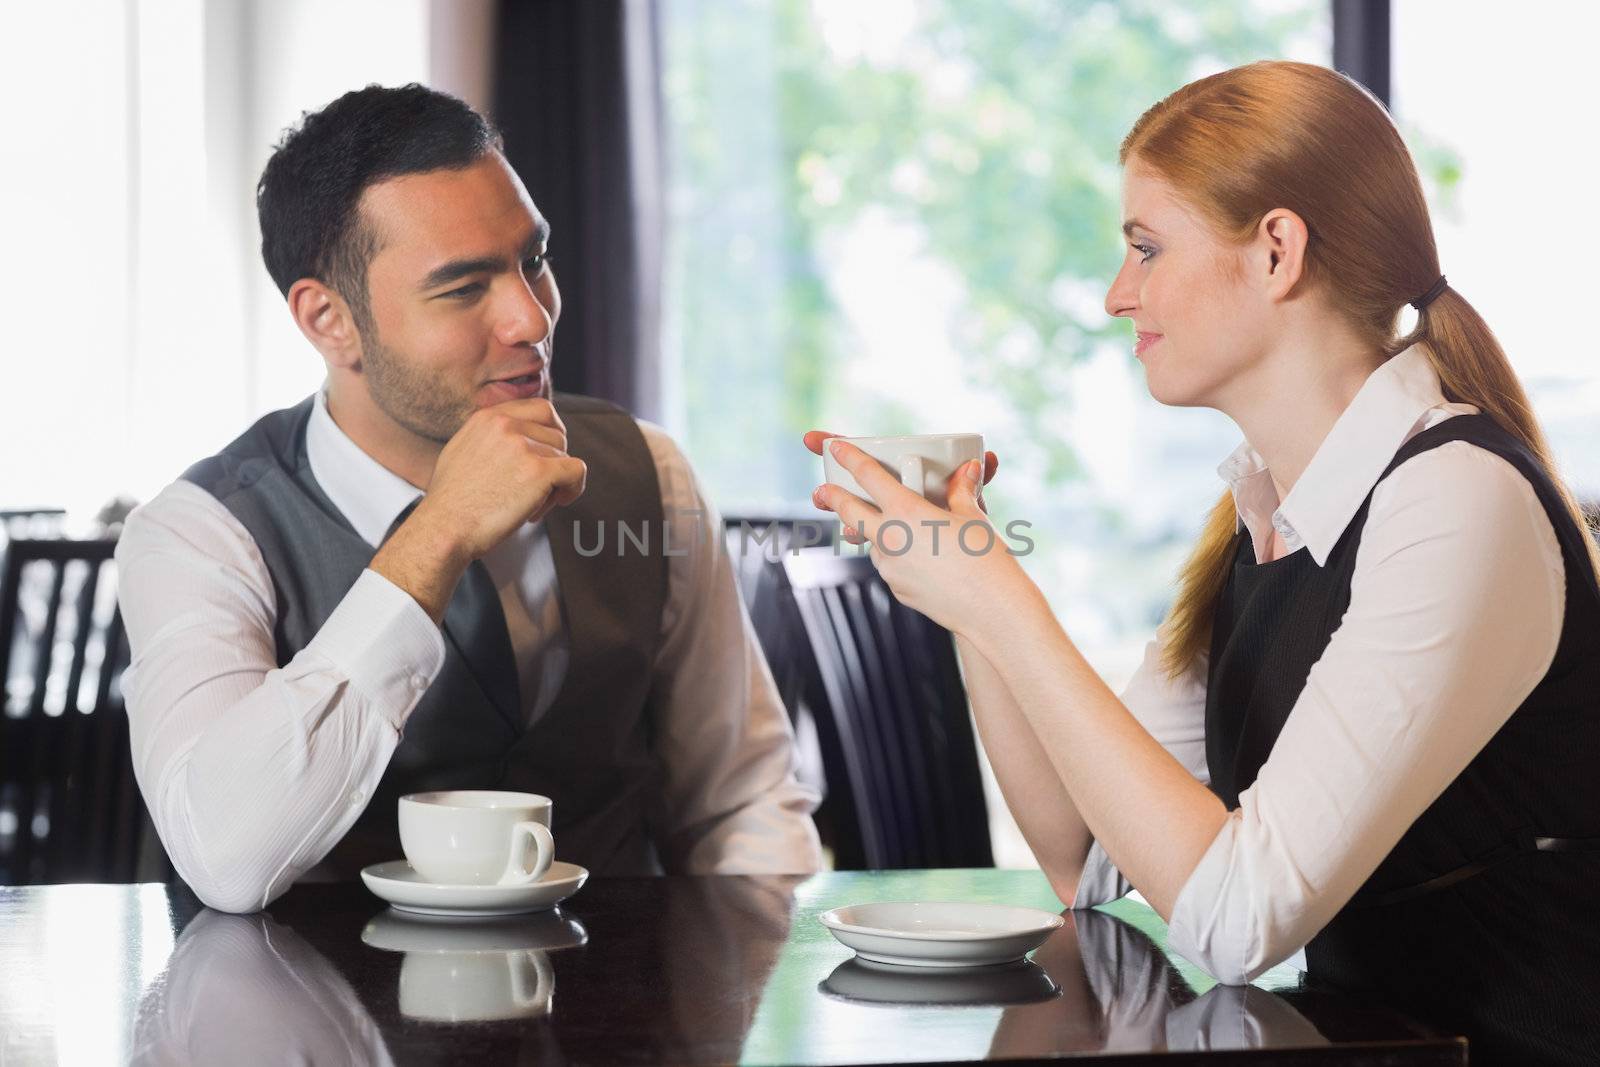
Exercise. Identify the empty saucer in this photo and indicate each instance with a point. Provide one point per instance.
(404, 888)
(940, 934)
(1023, 982)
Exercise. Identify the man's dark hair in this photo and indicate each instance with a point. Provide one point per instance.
(307, 198)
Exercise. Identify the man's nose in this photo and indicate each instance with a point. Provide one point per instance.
(524, 321)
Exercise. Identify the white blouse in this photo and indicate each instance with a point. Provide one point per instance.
(253, 773)
(1456, 607)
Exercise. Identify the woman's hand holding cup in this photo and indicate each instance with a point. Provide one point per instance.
(816, 441)
(941, 557)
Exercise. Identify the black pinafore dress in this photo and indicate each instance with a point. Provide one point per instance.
(1485, 917)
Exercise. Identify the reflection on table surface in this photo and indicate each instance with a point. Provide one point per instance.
(677, 970)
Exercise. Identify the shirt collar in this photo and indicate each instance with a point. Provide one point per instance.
(369, 495)
(1347, 464)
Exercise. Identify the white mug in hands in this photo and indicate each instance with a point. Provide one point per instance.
(477, 836)
(923, 462)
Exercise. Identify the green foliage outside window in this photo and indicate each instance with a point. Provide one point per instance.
(989, 131)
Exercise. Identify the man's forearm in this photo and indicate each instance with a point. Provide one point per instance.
(252, 773)
(425, 559)
(257, 802)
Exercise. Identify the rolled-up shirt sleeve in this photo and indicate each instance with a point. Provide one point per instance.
(253, 772)
(731, 800)
(1456, 609)
(1173, 711)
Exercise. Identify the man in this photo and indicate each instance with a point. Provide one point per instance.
(393, 586)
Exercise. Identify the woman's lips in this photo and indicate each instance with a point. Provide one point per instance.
(1144, 342)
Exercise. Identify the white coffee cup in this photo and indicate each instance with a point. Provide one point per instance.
(477, 836)
(922, 462)
(476, 986)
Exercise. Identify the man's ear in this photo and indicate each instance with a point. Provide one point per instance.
(325, 319)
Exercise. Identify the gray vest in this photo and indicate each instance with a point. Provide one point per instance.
(591, 752)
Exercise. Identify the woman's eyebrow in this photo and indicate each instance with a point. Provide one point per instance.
(1134, 224)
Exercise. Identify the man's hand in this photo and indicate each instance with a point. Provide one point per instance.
(506, 466)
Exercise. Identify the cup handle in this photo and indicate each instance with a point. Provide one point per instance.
(912, 474)
(544, 979)
(544, 851)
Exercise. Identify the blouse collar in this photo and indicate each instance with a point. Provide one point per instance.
(1399, 398)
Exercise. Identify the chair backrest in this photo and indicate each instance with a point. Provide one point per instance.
(70, 809)
(892, 720)
(757, 547)
(32, 522)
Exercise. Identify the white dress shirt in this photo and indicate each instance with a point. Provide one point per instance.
(253, 773)
(1456, 606)
(244, 990)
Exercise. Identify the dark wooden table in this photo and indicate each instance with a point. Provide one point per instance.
(672, 970)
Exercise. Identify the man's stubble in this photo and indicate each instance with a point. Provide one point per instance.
(423, 402)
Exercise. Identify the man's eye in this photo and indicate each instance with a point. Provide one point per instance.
(470, 289)
(533, 265)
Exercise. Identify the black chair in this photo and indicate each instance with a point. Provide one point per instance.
(881, 685)
(30, 522)
(70, 809)
(757, 547)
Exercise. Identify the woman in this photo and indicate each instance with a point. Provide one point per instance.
(1370, 725)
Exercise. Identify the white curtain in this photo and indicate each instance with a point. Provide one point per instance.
(138, 328)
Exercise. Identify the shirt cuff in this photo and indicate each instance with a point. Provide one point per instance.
(1100, 882)
(1207, 932)
(383, 641)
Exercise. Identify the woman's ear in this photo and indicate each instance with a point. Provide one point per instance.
(326, 320)
(1284, 236)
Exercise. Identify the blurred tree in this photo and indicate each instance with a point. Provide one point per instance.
(993, 129)
(989, 131)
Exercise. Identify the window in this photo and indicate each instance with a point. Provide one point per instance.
(903, 217)
(143, 332)
(1513, 222)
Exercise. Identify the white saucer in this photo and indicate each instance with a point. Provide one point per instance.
(938, 934)
(401, 931)
(404, 888)
(1024, 982)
